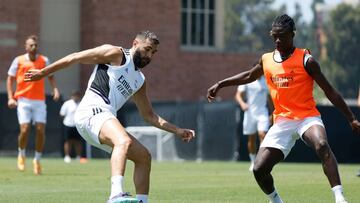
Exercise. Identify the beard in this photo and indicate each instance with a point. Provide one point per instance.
(139, 61)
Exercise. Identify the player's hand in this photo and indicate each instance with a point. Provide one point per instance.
(34, 75)
(211, 93)
(355, 125)
(12, 103)
(185, 134)
(244, 107)
(56, 94)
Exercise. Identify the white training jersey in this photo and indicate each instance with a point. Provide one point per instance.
(256, 94)
(110, 86)
(68, 111)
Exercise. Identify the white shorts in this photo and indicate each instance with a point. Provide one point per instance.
(284, 133)
(89, 122)
(31, 110)
(253, 124)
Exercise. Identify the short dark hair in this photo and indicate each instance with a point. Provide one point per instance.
(148, 35)
(33, 37)
(284, 21)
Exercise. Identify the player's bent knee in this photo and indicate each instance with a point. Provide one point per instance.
(141, 157)
(322, 148)
(122, 144)
(258, 170)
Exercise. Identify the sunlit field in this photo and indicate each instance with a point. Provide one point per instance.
(210, 182)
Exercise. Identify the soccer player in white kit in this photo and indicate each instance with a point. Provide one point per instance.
(256, 114)
(115, 79)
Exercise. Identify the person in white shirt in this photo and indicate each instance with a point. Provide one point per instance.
(72, 137)
(256, 115)
(117, 77)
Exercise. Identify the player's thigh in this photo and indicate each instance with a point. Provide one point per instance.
(312, 131)
(113, 133)
(315, 136)
(249, 124)
(263, 123)
(39, 112)
(24, 112)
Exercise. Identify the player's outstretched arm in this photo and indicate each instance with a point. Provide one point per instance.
(146, 111)
(239, 79)
(313, 68)
(105, 54)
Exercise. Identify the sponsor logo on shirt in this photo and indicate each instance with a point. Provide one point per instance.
(124, 87)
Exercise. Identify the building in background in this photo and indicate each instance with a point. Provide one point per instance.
(191, 53)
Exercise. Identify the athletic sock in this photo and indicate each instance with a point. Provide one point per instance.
(142, 198)
(252, 157)
(338, 192)
(274, 197)
(117, 185)
(37, 156)
(21, 152)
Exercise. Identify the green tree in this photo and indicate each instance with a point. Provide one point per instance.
(343, 48)
(247, 25)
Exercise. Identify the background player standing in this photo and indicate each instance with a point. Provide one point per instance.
(71, 135)
(253, 100)
(29, 98)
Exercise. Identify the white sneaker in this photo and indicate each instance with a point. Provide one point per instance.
(341, 201)
(67, 159)
(251, 168)
(123, 198)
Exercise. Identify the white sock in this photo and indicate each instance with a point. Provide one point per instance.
(252, 157)
(37, 156)
(117, 185)
(142, 198)
(338, 192)
(21, 152)
(274, 197)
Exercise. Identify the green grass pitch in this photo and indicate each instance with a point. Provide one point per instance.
(171, 182)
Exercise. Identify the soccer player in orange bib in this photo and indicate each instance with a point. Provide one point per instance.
(290, 73)
(29, 98)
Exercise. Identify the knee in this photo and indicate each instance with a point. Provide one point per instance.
(146, 157)
(322, 148)
(259, 170)
(125, 143)
(143, 159)
(24, 130)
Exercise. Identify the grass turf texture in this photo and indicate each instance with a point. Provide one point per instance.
(206, 182)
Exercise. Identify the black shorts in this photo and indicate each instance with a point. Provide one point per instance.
(71, 133)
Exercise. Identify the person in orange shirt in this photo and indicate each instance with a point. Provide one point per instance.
(29, 98)
(290, 73)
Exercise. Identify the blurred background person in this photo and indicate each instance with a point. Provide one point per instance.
(29, 98)
(253, 100)
(72, 138)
